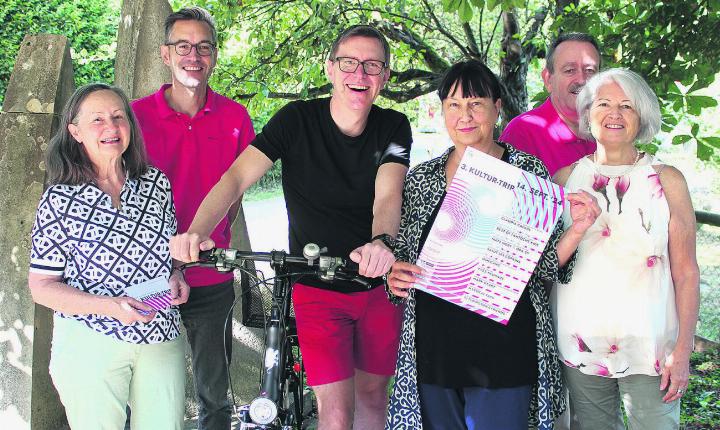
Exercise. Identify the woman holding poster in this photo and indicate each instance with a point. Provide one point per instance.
(103, 228)
(471, 371)
(626, 320)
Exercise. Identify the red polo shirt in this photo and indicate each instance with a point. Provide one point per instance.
(194, 153)
(542, 133)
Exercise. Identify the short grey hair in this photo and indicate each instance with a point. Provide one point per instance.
(194, 13)
(637, 90)
(569, 37)
(361, 30)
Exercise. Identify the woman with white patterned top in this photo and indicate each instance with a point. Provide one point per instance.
(102, 226)
(626, 320)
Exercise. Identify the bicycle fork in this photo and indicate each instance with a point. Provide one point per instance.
(262, 412)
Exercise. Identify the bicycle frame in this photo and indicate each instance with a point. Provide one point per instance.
(281, 376)
(279, 379)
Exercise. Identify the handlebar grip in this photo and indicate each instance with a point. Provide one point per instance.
(352, 266)
(205, 255)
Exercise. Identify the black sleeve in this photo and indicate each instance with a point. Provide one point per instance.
(275, 136)
(398, 149)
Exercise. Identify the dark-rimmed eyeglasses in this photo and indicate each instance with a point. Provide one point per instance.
(204, 49)
(350, 64)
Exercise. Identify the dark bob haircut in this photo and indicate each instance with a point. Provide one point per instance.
(473, 77)
(66, 160)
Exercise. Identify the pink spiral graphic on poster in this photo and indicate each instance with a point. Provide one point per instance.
(460, 215)
(541, 212)
(449, 280)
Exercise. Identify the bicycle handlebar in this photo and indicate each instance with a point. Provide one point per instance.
(311, 263)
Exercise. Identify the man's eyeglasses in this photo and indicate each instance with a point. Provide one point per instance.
(370, 67)
(203, 49)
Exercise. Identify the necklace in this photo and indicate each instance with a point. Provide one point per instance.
(629, 169)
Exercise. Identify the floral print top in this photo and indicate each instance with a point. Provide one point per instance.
(617, 315)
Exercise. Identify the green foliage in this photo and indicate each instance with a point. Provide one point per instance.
(275, 50)
(90, 25)
(668, 43)
(701, 403)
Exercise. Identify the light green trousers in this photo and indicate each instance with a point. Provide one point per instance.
(595, 402)
(97, 376)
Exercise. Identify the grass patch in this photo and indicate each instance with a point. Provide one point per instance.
(701, 404)
(255, 194)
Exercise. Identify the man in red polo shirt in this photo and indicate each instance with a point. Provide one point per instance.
(550, 131)
(193, 135)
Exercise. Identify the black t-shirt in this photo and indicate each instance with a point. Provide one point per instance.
(458, 348)
(329, 178)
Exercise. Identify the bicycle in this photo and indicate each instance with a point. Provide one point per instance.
(280, 402)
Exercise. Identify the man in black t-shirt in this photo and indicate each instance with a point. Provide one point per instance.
(344, 161)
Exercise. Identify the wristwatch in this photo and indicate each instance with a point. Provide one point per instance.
(386, 239)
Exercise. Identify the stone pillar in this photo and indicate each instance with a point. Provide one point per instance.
(139, 70)
(40, 84)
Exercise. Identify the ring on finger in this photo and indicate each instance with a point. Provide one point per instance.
(680, 391)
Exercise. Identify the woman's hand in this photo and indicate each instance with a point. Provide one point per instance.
(179, 288)
(402, 276)
(675, 375)
(129, 311)
(584, 210)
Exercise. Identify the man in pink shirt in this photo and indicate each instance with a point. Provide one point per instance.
(550, 131)
(193, 135)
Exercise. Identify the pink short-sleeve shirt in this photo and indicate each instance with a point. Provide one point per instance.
(542, 133)
(194, 153)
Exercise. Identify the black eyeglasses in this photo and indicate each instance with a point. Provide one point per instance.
(203, 49)
(370, 67)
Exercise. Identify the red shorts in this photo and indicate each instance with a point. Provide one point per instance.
(341, 332)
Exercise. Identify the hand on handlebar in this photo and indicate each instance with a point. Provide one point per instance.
(186, 247)
(402, 277)
(374, 259)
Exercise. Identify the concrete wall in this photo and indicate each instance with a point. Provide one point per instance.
(40, 84)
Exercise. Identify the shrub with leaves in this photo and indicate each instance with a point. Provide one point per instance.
(90, 26)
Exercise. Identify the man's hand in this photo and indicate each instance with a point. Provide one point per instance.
(179, 288)
(402, 277)
(374, 259)
(186, 247)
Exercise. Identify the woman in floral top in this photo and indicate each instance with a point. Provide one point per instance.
(457, 369)
(625, 322)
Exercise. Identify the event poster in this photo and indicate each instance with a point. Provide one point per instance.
(155, 293)
(488, 235)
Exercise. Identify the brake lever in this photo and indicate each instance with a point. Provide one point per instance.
(353, 278)
(215, 258)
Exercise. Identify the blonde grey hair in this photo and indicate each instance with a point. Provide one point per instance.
(636, 89)
(194, 13)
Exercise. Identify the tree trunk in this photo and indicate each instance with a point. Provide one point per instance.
(513, 70)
